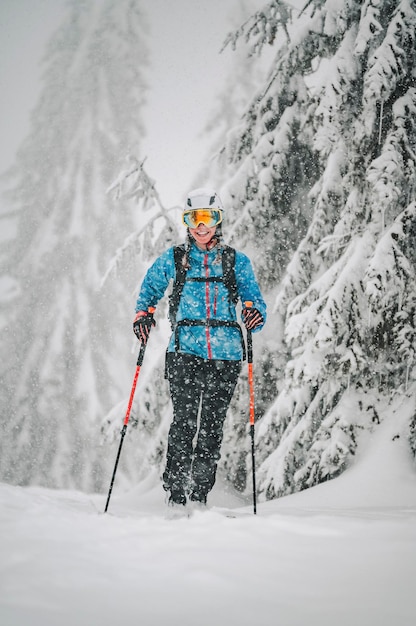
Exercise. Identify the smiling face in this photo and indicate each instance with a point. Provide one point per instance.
(202, 235)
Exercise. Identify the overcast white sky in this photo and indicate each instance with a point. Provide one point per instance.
(186, 73)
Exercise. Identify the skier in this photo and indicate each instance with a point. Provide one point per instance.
(206, 348)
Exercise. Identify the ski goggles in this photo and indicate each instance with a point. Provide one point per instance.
(209, 217)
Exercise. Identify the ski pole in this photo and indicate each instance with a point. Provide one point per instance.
(248, 305)
(127, 416)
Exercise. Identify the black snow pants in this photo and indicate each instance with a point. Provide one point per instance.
(199, 389)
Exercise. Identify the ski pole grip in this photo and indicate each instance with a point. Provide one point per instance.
(248, 304)
(150, 310)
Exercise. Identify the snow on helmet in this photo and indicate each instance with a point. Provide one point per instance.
(203, 198)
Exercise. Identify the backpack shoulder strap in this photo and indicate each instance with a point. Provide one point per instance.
(180, 275)
(228, 272)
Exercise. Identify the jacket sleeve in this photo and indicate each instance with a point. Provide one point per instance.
(156, 281)
(247, 286)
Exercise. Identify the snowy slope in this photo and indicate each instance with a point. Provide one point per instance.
(342, 553)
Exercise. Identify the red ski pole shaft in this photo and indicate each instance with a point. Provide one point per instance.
(127, 416)
(248, 305)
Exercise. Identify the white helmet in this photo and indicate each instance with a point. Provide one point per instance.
(203, 198)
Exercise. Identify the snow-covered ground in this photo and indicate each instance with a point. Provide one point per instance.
(340, 554)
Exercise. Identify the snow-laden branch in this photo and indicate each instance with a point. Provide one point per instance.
(262, 27)
(133, 242)
(134, 183)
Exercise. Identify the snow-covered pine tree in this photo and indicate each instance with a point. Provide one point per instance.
(342, 95)
(63, 345)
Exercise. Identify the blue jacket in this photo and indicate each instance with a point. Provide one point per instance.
(202, 301)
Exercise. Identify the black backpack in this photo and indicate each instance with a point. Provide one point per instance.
(228, 278)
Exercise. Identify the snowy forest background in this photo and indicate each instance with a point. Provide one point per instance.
(315, 160)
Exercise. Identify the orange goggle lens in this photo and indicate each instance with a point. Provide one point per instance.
(209, 217)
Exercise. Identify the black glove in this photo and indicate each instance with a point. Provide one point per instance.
(142, 325)
(252, 318)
